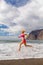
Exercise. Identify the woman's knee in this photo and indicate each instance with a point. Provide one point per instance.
(20, 43)
(25, 44)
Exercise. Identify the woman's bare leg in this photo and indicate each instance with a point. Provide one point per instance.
(27, 45)
(20, 46)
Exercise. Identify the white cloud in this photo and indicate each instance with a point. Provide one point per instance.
(7, 14)
(7, 11)
(29, 16)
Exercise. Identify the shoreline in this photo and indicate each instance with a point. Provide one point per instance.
(33, 61)
(10, 51)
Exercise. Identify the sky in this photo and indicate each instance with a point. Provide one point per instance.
(20, 14)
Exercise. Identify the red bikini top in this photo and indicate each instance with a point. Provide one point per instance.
(22, 35)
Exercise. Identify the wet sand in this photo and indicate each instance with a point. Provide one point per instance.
(22, 62)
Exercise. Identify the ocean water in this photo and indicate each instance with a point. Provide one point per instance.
(9, 49)
(28, 41)
(11, 39)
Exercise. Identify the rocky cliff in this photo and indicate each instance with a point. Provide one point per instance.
(36, 35)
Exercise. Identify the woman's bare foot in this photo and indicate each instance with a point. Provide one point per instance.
(30, 45)
(19, 49)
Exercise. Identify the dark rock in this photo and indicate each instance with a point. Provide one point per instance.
(36, 35)
(40, 36)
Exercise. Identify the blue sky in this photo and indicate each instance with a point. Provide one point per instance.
(20, 14)
(3, 26)
(17, 3)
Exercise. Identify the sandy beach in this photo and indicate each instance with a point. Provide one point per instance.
(22, 62)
